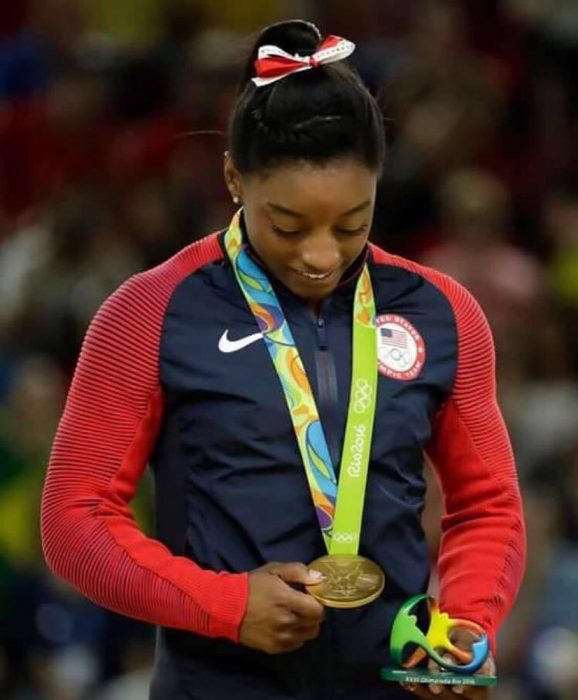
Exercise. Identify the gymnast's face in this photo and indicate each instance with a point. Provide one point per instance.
(307, 222)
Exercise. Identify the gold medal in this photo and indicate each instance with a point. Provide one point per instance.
(350, 581)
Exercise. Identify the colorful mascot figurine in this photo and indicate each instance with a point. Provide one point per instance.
(435, 643)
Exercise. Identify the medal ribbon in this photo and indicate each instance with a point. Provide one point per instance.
(339, 510)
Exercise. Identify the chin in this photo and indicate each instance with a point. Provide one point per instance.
(315, 295)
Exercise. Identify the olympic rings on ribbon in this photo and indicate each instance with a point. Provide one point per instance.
(344, 537)
(361, 396)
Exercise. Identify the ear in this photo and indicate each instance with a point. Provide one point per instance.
(233, 179)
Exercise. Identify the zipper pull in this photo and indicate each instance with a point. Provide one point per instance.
(321, 333)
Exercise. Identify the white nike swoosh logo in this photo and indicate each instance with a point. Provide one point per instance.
(226, 345)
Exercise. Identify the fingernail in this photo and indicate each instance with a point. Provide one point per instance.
(313, 573)
(458, 689)
(435, 689)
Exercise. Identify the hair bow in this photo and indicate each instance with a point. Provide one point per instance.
(273, 63)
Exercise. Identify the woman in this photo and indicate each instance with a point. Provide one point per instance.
(230, 368)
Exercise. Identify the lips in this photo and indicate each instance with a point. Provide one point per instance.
(314, 277)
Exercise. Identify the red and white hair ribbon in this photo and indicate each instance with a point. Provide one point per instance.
(273, 63)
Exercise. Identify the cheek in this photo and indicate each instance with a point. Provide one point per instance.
(270, 248)
(257, 231)
(352, 248)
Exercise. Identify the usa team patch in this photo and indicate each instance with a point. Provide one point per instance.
(400, 348)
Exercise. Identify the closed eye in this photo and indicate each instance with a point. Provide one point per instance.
(343, 231)
(285, 232)
(353, 231)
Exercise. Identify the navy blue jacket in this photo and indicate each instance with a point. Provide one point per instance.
(154, 385)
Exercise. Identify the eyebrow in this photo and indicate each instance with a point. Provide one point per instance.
(297, 215)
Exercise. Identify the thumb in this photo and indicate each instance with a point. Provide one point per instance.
(296, 572)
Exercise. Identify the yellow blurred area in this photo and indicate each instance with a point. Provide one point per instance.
(564, 275)
(128, 21)
(19, 538)
(138, 22)
(19, 524)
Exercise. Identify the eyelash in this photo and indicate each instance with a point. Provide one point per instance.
(344, 231)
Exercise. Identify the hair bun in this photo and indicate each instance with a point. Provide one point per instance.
(293, 36)
(314, 116)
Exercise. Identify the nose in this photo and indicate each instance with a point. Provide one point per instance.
(320, 254)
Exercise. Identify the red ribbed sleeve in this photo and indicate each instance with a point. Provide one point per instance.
(100, 452)
(483, 546)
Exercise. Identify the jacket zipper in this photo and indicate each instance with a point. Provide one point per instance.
(327, 390)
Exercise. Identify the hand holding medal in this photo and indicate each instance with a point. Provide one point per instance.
(350, 581)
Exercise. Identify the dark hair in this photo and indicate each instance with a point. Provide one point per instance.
(315, 115)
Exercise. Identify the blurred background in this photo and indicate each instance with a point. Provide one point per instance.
(100, 178)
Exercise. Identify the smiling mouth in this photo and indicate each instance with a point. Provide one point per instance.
(313, 276)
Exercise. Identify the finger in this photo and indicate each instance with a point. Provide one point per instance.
(436, 689)
(441, 692)
(284, 647)
(307, 632)
(296, 572)
(416, 689)
(287, 621)
(488, 668)
(305, 606)
(433, 689)
(465, 691)
(477, 693)
(289, 641)
(473, 693)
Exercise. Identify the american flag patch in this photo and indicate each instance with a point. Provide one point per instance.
(394, 337)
